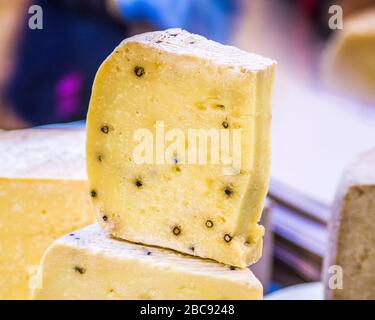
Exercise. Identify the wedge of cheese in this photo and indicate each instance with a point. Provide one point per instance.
(348, 64)
(43, 195)
(152, 96)
(350, 261)
(89, 264)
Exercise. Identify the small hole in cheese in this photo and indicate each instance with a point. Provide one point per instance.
(218, 106)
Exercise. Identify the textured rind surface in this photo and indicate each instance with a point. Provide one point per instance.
(94, 242)
(185, 43)
(94, 239)
(43, 154)
(351, 231)
(194, 54)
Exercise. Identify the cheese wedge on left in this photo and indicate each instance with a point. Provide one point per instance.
(43, 195)
(89, 264)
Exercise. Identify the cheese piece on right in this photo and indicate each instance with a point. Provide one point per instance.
(43, 195)
(171, 86)
(348, 63)
(352, 234)
(88, 264)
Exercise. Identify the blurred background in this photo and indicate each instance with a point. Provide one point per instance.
(324, 98)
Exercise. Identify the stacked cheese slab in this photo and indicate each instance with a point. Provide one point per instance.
(158, 100)
(43, 195)
(350, 261)
(88, 264)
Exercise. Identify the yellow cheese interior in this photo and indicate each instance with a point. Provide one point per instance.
(35, 211)
(179, 205)
(90, 265)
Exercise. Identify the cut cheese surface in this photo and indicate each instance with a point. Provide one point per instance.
(89, 264)
(173, 81)
(352, 236)
(51, 154)
(348, 64)
(43, 195)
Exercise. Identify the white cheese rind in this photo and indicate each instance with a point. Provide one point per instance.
(187, 44)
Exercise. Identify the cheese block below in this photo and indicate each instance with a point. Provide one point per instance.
(352, 234)
(89, 264)
(43, 195)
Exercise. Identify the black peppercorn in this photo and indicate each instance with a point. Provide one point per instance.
(139, 71)
(228, 238)
(105, 218)
(225, 124)
(176, 230)
(79, 269)
(228, 191)
(139, 183)
(104, 129)
(209, 224)
(93, 193)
